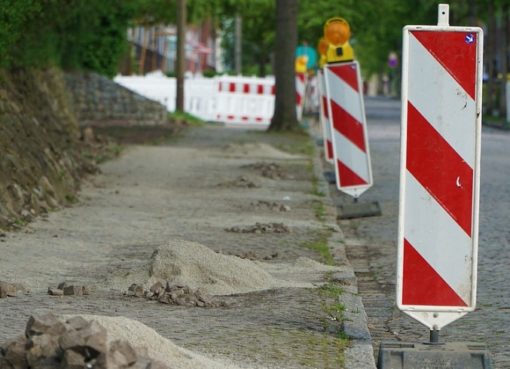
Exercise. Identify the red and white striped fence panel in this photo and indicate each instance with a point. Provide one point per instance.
(324, 118)
(243, 101)
(301, 81)
(346, 112)
(439, 184)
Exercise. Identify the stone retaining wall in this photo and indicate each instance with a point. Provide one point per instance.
(99, 101)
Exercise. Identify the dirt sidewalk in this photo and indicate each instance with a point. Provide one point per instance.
(247, 194)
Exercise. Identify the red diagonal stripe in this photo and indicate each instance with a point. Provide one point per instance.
(422, 285)
(347, 176)
(325, 106)
(301, 77)
(232, 87)
(456, 55)
(298, 99)
(246, 88)
(439, 169)
(329, 149)
(347, 73)
(260, 89)
(347, 125)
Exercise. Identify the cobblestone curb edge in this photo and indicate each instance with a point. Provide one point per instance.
(359, 354)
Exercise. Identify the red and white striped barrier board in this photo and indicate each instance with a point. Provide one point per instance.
(301, 81)
(346, 113)
(439, 181)
(245, 101)
(324, 118)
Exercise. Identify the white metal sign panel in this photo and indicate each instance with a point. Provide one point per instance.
(439, 179)
(347, 120)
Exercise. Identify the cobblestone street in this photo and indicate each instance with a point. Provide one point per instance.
(373, 255)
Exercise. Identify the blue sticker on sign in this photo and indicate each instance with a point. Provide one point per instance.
(470, 38)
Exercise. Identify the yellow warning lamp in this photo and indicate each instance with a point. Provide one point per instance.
(337, 33)
(300, 64)
(322, 49)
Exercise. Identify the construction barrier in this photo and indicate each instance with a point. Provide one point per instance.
(347, 119)
(234, 100)
(440, 172)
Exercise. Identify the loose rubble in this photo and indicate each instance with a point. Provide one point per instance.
(65, 289)
(76, 343)
(250, 255)
(269, 170)
(271, 205)
(7, 290)
(240, 181)
(260, 228)
(174, 295)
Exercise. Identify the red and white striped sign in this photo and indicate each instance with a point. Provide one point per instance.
(324, 118)
(439, 184)
(301, 81)
(346, 113)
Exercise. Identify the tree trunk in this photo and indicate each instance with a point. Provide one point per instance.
(284, 117)
(181, 56)
(489, 57)
(238, 54)
(503, 41)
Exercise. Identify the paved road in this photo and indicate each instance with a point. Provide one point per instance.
(375, 259)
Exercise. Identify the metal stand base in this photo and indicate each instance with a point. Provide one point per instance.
(330, 177)
(454, 355)
(358, 210)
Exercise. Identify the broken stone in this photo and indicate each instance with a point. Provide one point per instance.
(121, 355)
(269, 170)
(157, 288)
(73, 360)
(73, 290)
(4, 364)
(44, 324)
(7, 289)
(239, 182)
(261, 228)
(42, 350)
(89, 341)
(61, 285)
(55, 291)
(85, 290)
(136, 290)
(15, 353)
(77, 323)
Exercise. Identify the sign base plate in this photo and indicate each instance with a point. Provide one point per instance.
(358, 210)
(330, 177)
(453, 355)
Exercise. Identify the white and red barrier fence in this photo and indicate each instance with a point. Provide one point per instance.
(230, 99)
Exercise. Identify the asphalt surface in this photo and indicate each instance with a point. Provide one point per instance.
(373, 255)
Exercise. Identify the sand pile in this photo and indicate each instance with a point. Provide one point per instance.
(185, 263)
(151, 344)
(192, 264)
(257, 150)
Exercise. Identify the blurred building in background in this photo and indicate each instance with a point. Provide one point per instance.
(154, 48)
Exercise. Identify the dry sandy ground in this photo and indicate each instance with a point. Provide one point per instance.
(178, 193)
